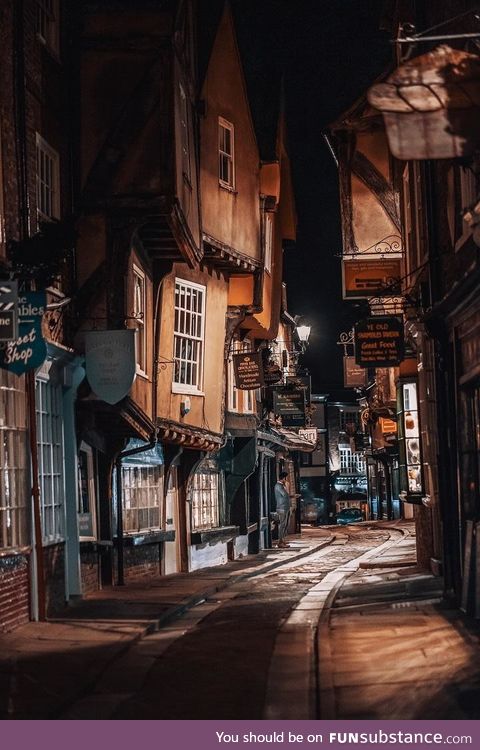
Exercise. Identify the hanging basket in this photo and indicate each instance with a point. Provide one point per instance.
(431, 105)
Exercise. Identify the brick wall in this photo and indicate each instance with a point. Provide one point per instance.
(141, 563)
(14, 592)
(54, 558)
(89, 570)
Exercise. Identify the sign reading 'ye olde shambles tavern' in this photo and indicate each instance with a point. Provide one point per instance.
(248, 371)
(379, 341)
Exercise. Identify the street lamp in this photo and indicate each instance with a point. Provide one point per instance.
(303, 333)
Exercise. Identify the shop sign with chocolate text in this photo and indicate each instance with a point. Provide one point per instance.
(248, 371)
(379, 341)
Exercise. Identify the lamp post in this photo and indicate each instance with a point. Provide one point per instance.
(303, 333)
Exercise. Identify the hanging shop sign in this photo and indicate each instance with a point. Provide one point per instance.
(8, 310)
(310, 434)
(110, 363)
(354, 376)
(289, 404)
(387, 426)
(29, 350)
(301, 381)
(431, 105)
(379, 341)
(272, 373)
(248, 370)
(371, 277)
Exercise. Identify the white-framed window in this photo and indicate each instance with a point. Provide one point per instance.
(49, 408)
(87, 496)
(351, 462)
(14, 463)
(142, 496)
(226, 153)
(205, 500)
(48, 180)
(47, 23)
(239, 401)
(139, 313)
(184, 132)
(189, 336)
(268, 241)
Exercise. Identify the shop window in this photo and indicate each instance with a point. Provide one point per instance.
(469, 449)
(47, 180)
(87, 517)
(142, 495)
(189, 336)
(139, 308)
(409, 440)
(226, 154)
(14, 465)
(205, 487)
(49, 407)
(47, 23)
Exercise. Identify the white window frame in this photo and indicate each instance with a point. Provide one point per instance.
(190, 340)
(140, 313)
(47, 24)
(239, 401)
(47, 185)
(14, 463)
(351, 462)
(91, 491)
(268, 241)
(224, 156)
(51, 459)
(142, 492)
(205, 500)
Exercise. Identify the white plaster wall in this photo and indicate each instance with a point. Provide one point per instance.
(208, 556)
(241, 546)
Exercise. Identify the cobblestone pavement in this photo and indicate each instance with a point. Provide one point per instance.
(215, 662)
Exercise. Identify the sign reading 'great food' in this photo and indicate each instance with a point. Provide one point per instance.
(379, 341)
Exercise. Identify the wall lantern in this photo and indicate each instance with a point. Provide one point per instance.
(303, 333)
(431, 105)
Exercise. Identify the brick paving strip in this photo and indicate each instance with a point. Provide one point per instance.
(45, 667)
(292, 682)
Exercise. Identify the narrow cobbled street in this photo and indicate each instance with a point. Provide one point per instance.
(291, 637)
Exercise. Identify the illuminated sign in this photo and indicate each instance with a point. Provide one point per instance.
(371, 277)
(379, 341)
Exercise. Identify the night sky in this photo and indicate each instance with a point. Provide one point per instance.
(329, 52)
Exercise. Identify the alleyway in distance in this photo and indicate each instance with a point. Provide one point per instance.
(341, 625)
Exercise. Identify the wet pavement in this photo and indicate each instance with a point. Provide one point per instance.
(341, 625)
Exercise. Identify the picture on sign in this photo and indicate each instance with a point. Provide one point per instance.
(371, 277)
(354, 376)
(248, 370)
(379, 341)
(289, 404)
(8, 310)
(28, 350)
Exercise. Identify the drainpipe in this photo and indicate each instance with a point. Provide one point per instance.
(118, 468)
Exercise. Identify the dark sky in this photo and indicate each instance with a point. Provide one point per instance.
(329, 53)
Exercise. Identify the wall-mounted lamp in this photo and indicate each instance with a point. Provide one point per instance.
(303, 333)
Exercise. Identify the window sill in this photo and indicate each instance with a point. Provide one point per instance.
(139, 538)
(15, 551)
(228, 188)
(186, 390)
(211, 536)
